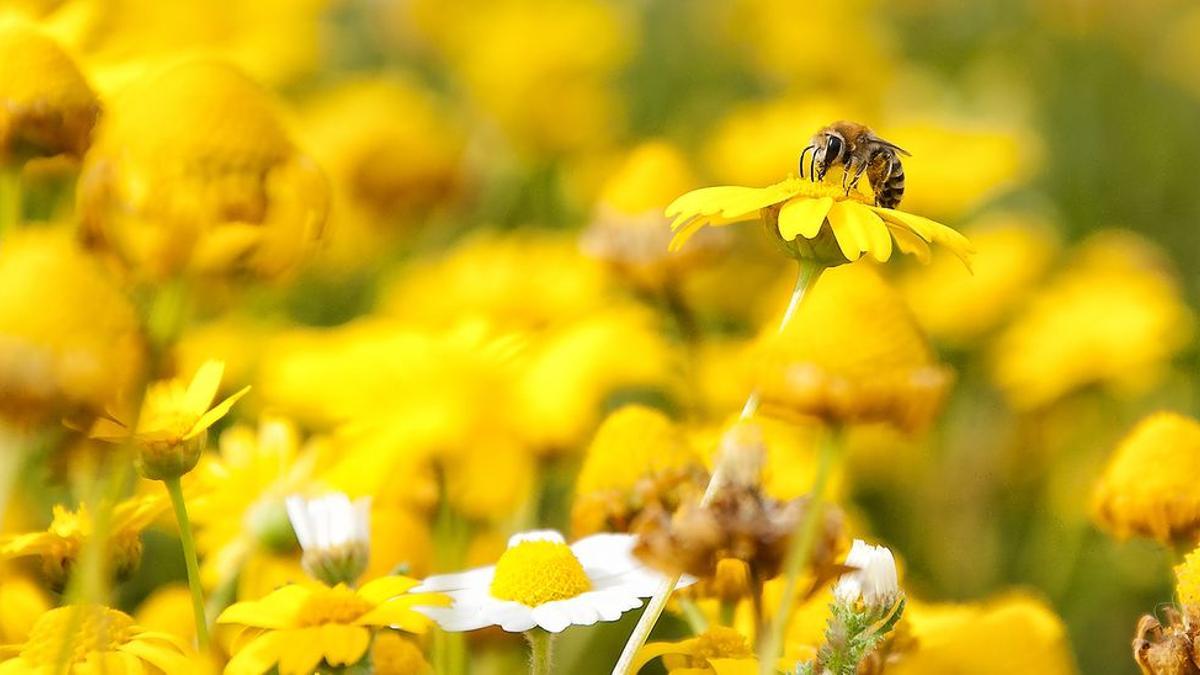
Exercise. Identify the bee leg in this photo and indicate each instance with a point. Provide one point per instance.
(851, 167)
(812, 166)
(857, 175)
(802, 153)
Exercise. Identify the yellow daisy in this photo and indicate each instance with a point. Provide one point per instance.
(815, 220)
(173, 416)
(719, 650)
(60, 544)
(86, 639)
(298, 627)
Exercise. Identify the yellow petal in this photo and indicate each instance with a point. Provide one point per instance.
(106, 429)
(848, 230)
(734, 666)
(259, 655)
(654, 650)
(204, 385)
(803, 217)
(304, 652)
(277, 610)
(218, 411)
(931, 231)
(344, 645)
(398, 612)
(386, 588)
(163, 658)
(910, 243)
(871, 230)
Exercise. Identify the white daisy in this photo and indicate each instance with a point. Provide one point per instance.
(540, 581)
(335, 534)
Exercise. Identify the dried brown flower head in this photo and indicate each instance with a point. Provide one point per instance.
(1165, 650)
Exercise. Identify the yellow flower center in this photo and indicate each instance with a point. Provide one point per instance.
(1187, 576)
(720, 642)
(537, 572)
(332, 605)
(806, 189)
(76, 631)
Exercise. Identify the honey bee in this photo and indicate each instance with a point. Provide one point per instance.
(858, 150)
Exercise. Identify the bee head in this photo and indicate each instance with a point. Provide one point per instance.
(828, 147)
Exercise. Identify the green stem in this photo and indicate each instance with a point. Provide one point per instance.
(11, 210)
(799, 552)
(692, 614)
(541, 651)
(175, 489)
(806, 277)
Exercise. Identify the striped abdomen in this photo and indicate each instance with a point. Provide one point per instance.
(887, 179)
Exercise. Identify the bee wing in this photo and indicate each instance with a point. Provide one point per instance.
(875, 139)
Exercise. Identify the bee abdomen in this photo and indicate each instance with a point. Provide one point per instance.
(891, 189)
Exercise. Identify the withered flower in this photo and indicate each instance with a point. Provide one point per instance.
(1165, 650)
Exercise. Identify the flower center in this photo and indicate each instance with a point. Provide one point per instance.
(332, 605)
(76, 631)
(537, 572)
(720, 642)
(830, 187)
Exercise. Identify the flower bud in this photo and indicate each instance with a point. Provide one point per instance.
(335, 534)
(874, 582)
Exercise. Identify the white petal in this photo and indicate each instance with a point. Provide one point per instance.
(551, 617)
(606, 554)
(536, 535)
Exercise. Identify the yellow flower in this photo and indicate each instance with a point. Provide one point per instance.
(236, 495)
(60, 544)
(551, 95)
(46, 105)
(719, 650)
(21, 603)
(628, 230)
(169, 609)
(852, 354)
(1013, 254)
(1148, 488)
(173, 423)
(192, 171)
(637, 458)
(815, 220)
(394, 654)
(1114, 318)
(95, 639)
(70, 342)
(1015, 634)
(393, 153)
(297, 627)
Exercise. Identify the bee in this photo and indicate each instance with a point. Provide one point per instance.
(858, 150)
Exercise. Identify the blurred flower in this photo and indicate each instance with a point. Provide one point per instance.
(628, 230)
(1114, 318)
(169, 609)
(1000, 156)
(1012, 254)
(719, 650)
(526, 280)
(173, 424)
(1020, 635)
(21, 603)
(394, 654)
(192, 171)
(540, 581)
(335, 535)
(60, 545)
(1147, 487)
(236, 495)
(92, 639)
(550, 95)
(491, 479)
(785, 42)
(277, 41)
(750, 144)
(638, 459)
(46, 105)
(393, 153)
(815, 221)
(1187, 584)
(852, 354)
(873, 582)
(70, 342)
(297, 628)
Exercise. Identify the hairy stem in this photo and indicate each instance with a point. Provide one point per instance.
(541, 651)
